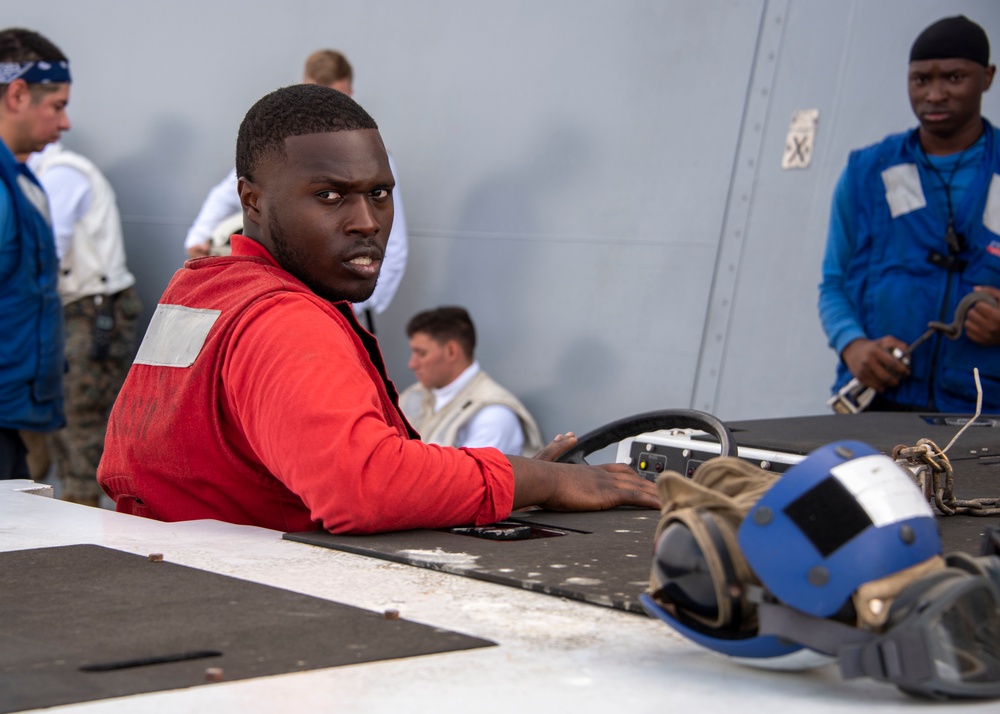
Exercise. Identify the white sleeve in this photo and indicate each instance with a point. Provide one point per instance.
(220, 203)
(70, 196)
(394, 262)
(494, 425)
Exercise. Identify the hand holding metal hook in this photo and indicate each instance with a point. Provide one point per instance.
(952, 330)
(855, 397)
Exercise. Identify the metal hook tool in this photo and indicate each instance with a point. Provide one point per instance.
(855, 397)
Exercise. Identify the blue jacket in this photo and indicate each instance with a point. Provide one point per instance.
(894, 287)
(31, 347)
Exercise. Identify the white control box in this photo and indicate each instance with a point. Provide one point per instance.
(684, 450)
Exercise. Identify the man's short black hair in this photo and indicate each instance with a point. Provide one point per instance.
(20, 45)
(443, 324)
(294, 111)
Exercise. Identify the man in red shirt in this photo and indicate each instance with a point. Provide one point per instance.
(257, 398)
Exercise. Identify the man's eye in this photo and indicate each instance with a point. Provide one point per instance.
(328, 195)
(380, 193)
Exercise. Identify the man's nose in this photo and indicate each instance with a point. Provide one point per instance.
(362, 217)
(412, 364)
(937, 91)
(64, 124)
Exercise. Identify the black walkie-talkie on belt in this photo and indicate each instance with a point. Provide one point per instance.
(104, 325)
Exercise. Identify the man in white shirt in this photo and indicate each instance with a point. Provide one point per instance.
(328, 68)
(455, 403)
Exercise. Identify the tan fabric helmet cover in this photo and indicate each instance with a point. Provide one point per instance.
(725, 488)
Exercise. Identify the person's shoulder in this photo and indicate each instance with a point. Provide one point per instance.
(498, 389)
(484, 376)
(411, 399)
(279, 291)
(295, 301)
(293, 319)
(870, 161)
(8, 196)
(888, 143)
(250, 281)
(415, 388)
(70, 176)
(55, 155)
(76, 158)
(59, 168)
(994, 135)
(6, 214)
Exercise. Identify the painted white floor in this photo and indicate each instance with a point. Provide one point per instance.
(554, 655)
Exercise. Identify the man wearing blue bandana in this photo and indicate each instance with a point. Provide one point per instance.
(34, 91)
(915, 227)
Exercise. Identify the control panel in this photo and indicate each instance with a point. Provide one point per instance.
(684, 450)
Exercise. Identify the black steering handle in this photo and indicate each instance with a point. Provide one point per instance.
(615, 431)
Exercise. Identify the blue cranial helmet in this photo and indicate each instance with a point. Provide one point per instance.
(838, 558)
(844, 516)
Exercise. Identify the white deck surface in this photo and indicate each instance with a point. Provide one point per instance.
(553, 656)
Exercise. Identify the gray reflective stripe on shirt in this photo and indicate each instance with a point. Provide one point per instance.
(903, 191)
(175, 335)
(991, 214)
(35, 195)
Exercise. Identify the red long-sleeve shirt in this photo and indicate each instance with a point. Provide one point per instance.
(284, 417)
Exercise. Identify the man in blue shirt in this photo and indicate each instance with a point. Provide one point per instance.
(915, 226)
(34, 91)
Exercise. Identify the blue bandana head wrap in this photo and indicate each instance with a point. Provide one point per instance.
(37, 72)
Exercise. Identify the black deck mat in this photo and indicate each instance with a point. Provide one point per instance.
(75, 618)
(883, 430)
(607, 563)
(605, 557)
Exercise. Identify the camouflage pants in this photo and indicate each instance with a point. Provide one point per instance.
(91, 386)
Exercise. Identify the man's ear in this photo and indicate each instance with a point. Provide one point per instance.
(452, 350)
(250, 199)
(988, 77)
(17, 96)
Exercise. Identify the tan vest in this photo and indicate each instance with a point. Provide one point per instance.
(95, 261)
(443, 427)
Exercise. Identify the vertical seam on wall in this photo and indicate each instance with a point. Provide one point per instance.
(738, 202)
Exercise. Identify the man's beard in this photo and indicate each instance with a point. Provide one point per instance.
(290, 257)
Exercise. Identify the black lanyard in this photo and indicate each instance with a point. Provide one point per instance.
(955, 241)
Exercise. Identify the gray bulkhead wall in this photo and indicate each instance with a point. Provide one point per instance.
(848, 60)
(598, 181)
